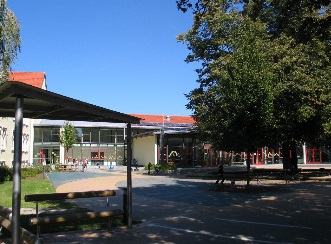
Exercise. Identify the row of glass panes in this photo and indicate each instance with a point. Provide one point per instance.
(84, 135)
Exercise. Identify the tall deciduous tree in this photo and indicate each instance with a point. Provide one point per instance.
(233, 105)
(265, 71)
(68, 136)
(9, 39)
(300, 31)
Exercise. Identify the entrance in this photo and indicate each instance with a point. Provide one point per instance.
(259, 157)
(313, 156)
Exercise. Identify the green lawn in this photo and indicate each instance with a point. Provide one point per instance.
(37, 186)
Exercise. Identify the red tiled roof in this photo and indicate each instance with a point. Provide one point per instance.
(162, 118)
(35, 79)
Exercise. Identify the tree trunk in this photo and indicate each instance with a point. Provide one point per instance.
(248, 164)
(286, 155)
(294, 158)
(290, 157)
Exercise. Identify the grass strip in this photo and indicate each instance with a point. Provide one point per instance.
(44, 186)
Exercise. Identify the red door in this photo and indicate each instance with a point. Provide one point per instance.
(313, 156)
(259, 159)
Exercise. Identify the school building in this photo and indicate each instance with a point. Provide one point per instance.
(156, 139)
(105, 143)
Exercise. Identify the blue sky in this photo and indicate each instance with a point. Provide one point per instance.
(119, 54)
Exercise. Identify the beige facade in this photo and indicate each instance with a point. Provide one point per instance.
(145, 149)
(7, 124)
(7, 127)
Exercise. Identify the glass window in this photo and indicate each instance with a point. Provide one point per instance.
(120, 154)
(77, 153)
(95, 135)
(86, 152)
(120, 136)
(37, 154)
(86, 135)
(38, 134)
(111, 153)
(188, 142)
(3, 140)
(55, 155)
(79, 134)
(104, 135)
(55, 134)
(47, 134)
(94, 155)
(112, 136)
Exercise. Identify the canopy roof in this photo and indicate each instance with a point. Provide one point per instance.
(19, 100)
(43, 104)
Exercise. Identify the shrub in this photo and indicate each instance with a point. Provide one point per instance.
(34, 171)
(31, 172)
(161, 167)
(6, 173)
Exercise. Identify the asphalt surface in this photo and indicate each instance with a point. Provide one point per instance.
(176, 209)
(60, 178)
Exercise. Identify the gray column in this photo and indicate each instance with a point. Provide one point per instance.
(129, 178)
(16, 204)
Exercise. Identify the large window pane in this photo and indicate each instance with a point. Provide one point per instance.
(80, 152)
(104, 135)
(83, 135)
(55, 153)
(112, 136)
(55, 134)
(120, 154)
(47, 134)
(120, 136)
(111, 154)
(79, 134)
(77, 153)
(95, 135)
(86, 135)
(38, 134)
(36, 154)
(86, 149)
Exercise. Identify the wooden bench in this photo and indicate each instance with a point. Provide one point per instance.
(67, 167)
(5, 222)
(70, 217)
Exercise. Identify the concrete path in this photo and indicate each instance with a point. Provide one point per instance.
(175, 209)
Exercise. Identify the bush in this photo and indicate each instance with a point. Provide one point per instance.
(161, 167)
(31, 172)
(34, 171)
(6, 173)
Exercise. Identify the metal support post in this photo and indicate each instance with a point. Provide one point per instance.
(16, 198)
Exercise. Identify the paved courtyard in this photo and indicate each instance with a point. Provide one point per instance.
(176, 209)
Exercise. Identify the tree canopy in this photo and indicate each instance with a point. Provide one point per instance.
(9, 39)
(265, 71)
(233, 104)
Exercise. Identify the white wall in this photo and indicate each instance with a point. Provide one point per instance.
(7, 125)
(144, 149)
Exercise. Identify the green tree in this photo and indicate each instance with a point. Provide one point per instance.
(300, 32)
(9, 39)
(288, 62)
(68, 136)
(233, 105)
